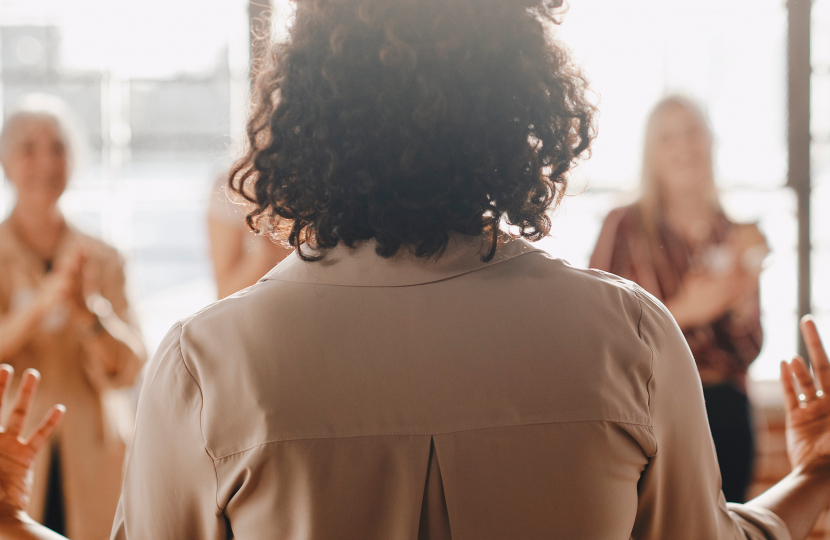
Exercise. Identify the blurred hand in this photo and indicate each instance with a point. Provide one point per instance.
(64, 285)
(807, 409)
(16, 453)
(55, 291)
(73, 267)
(749, 243)
(704, 297)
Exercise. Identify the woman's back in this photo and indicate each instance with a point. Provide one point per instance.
(361, 397)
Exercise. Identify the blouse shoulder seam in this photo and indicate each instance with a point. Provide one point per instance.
(651, 361)
(201, 410)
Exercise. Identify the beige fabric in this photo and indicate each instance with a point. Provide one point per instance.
(363, 398)
(91, 445)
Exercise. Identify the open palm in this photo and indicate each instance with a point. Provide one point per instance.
(807, 409)
(16, 453)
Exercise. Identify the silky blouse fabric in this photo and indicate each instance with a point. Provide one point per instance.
(367, 398)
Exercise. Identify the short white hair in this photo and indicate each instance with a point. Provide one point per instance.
(40, 107)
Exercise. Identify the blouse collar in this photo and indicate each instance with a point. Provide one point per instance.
(361, 266)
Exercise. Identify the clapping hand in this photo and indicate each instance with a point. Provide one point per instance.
(808, 409)
(16, 453)
(73, 268)
(64, 285)
(704, 297)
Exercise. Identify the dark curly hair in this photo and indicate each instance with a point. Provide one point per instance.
(404, 121)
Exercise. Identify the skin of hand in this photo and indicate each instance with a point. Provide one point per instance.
(747, 239)
(751, 248)
(803, 494)
(808, 408)
(19, 328)
(65, 286)
(106, 338)
(76, 269)
(704, 297)
(17, 454)
(56, 289)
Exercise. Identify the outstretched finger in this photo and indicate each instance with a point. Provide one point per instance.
(22, 402)
(6, 373)
(804, 377)
(818, 356)
(46, 427)
(790, 395)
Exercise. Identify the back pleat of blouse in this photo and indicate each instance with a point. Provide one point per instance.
(435, 519)
(362, 398)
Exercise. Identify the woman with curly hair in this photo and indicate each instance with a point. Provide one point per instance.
(412, 371)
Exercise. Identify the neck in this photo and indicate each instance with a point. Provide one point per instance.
(40, 229)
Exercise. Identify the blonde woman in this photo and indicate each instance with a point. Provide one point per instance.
(678, 244)
(64, 311)
(409, 372)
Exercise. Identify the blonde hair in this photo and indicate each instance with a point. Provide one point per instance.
(650, 202)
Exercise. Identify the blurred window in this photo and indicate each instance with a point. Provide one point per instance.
(731, 57)
(820, 153)
(160, 88)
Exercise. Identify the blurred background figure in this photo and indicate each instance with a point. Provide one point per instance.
(679, 245)
(161, 115)
(64, 311)
(239, 256)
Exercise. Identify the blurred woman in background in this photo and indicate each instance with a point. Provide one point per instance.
(410, 371)
(678, 244)
(239, 257)
(63, 310)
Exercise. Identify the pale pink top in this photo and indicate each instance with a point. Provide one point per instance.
(364, 398)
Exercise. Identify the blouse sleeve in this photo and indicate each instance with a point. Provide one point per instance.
(680, 490)
(170, 484)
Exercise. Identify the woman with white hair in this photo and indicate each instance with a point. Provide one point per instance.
(63, 311)
(411, 371)
(678, 244)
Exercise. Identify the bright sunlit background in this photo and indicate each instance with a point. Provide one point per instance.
(160, 89)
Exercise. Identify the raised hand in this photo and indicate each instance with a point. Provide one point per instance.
(16, 453)
(808, 408)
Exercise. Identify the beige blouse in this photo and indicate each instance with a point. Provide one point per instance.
(363, 398)
(91, 435)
